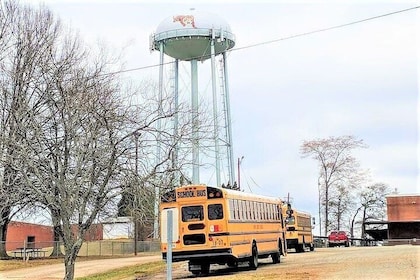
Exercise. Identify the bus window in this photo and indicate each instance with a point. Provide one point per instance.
(231, 209)
(273, 211)
(253, 211)
(246, 213)
(235, 202)
(250, 213)
(215, 211)
(192, 213)
(264, 206)
(270, 211)
(241, 209)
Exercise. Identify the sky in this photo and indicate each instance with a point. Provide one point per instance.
(360, 80)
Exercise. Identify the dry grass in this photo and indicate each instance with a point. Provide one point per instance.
(12, 264)
(19, 263)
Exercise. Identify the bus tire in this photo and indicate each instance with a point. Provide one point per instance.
(275, 257)
(232, 264)
(300, 248)
(312, 247)
(253, 260)
(205, 268)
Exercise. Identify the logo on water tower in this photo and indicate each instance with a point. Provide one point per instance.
(185, 20)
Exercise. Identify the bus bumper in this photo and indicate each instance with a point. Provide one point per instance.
(213, 255)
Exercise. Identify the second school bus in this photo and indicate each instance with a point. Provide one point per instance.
(222, 226)
(298, 229)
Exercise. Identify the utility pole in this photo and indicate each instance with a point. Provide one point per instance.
(319, 205)
(136, 138)
(239, 172)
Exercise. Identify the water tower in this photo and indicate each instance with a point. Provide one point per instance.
(197, 36)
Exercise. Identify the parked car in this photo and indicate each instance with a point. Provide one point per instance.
(338, 238)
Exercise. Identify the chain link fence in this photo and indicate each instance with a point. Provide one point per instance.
(88, 249)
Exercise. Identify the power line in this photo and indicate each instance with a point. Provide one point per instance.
(281, 39)
(324, 29)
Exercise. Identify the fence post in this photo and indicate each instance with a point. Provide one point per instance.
(25, 258)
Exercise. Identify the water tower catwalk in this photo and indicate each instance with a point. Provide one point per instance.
(191, 37)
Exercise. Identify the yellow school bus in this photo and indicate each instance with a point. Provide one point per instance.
(298, 229)
(221, 226)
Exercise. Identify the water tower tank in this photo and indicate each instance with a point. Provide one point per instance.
(188, 36)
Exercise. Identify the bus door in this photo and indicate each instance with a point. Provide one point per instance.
(193, 224)
(202, 222)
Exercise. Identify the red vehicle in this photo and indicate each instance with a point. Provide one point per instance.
(338, 238)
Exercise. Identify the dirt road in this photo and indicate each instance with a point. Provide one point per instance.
(393, 262)
(85, 268)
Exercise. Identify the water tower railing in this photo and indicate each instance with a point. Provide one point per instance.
(199, 32)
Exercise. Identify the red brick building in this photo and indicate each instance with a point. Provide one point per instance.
(19, 233)
(35, 235)
(404, 218)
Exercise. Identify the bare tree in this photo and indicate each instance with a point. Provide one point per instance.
(79, 148)
(335, 165)
(24, 40)
(372, 204)
(67, 131)
(65, 128)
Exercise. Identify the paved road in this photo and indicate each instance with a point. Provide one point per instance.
(84, 268)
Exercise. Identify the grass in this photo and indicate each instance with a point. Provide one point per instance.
(11, 264)
(129, 272)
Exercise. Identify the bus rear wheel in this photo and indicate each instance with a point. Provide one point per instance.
(232, 264)
(312, 247)
(275, 257)
(205, 268)
(253, 261)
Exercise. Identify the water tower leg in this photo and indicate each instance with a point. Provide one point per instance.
(158, 156)
(194, 119)
(176, 181)
(229, 122)
(215, 111)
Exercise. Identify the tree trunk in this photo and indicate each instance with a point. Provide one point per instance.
(363, 226)
(3, 232)
(56, 252)
(326, 210)
(70, 258)
(69, 262)
(352, 224)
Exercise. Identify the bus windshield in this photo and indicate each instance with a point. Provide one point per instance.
(290, 220)
(192, 213)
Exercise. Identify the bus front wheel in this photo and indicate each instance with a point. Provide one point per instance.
(253, 261)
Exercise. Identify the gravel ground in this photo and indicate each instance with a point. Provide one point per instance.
(387, 262)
